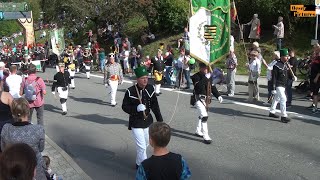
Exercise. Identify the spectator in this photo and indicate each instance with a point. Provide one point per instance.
(5, 109)
(18, 162)
(254, 68)
(183, 68)
(184, 39)
(40, 90)
(139, 55)
(168, 60)
(255, 46)
(163, 164)
(255, 28)
(217, 76)
(14, 82)
(315, 83)
(102, 59)
(231, 63)
(293, 64)
(49, 174)
(2, 66)
(22, 131)
(279, 32)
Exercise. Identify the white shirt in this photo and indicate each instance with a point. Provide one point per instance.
(14, 82)
(231, 43)
(255, 65)
(270, 68)
(181, 63)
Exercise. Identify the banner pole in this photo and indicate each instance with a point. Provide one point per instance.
(316, 33)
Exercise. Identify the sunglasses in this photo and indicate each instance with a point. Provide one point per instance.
(111, 55)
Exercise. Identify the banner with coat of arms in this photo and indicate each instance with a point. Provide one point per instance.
(57, 41)
(209, 30)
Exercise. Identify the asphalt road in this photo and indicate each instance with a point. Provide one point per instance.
(247, 144)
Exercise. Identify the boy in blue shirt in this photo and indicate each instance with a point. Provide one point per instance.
(162, 165)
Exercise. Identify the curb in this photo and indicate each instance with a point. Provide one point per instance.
(73, 164)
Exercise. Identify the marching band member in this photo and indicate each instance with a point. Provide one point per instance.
(72, 72)
(113, 77)
(202, 93)
(61, 82)
(158, 71)
(87, 61)
(279, 81)
(138, 102)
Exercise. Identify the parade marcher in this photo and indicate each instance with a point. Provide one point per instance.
(158, 65)
(231, 63)
(113, 77)
(87, 61)
(276, 57)
(255, 28)
(61, 81)
(279, 32)
(254, 67)
(72, 72)
(279, 81)
(138, 102)
(202, 94)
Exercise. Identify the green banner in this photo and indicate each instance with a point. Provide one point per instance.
(210, 28)
(57, 41)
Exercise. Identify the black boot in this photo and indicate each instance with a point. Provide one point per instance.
(285, 119)
(273, 115)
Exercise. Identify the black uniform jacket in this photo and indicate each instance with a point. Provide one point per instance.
(158, 64)
(149, 99)
(201, 82)
(61, 80)
(279, 74)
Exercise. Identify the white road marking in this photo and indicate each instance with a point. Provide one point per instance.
(301, 116)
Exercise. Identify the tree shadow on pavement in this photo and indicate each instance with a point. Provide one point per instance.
(89, 100)
(96, 118)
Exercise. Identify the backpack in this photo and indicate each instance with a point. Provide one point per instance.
(30, 90)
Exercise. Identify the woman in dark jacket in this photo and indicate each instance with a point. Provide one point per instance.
(21, 131)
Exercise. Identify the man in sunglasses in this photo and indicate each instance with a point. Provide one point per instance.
(113, 77)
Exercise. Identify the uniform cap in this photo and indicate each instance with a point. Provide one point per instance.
(284, 52)
(141, 71)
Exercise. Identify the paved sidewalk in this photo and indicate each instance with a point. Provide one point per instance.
(62, 164)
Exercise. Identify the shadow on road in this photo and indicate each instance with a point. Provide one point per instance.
(89, 100)
(96, 118)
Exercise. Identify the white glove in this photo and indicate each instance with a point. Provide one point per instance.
(54, 93)
(274, 92)
(141, 107)
(106, 85)
(270, 68)
(295, 78)
(220, 99)
(208, 75)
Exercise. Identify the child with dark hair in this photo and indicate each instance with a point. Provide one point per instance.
(163, 164)
(18, 161)
(49, 174)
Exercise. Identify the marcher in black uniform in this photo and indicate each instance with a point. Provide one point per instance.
(138, 102)
(202, 93)
(61, 82)
(279, 82)
(158, 67)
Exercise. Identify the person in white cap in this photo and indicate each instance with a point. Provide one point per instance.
(255, 28)
(61, 83)
(113, 77)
